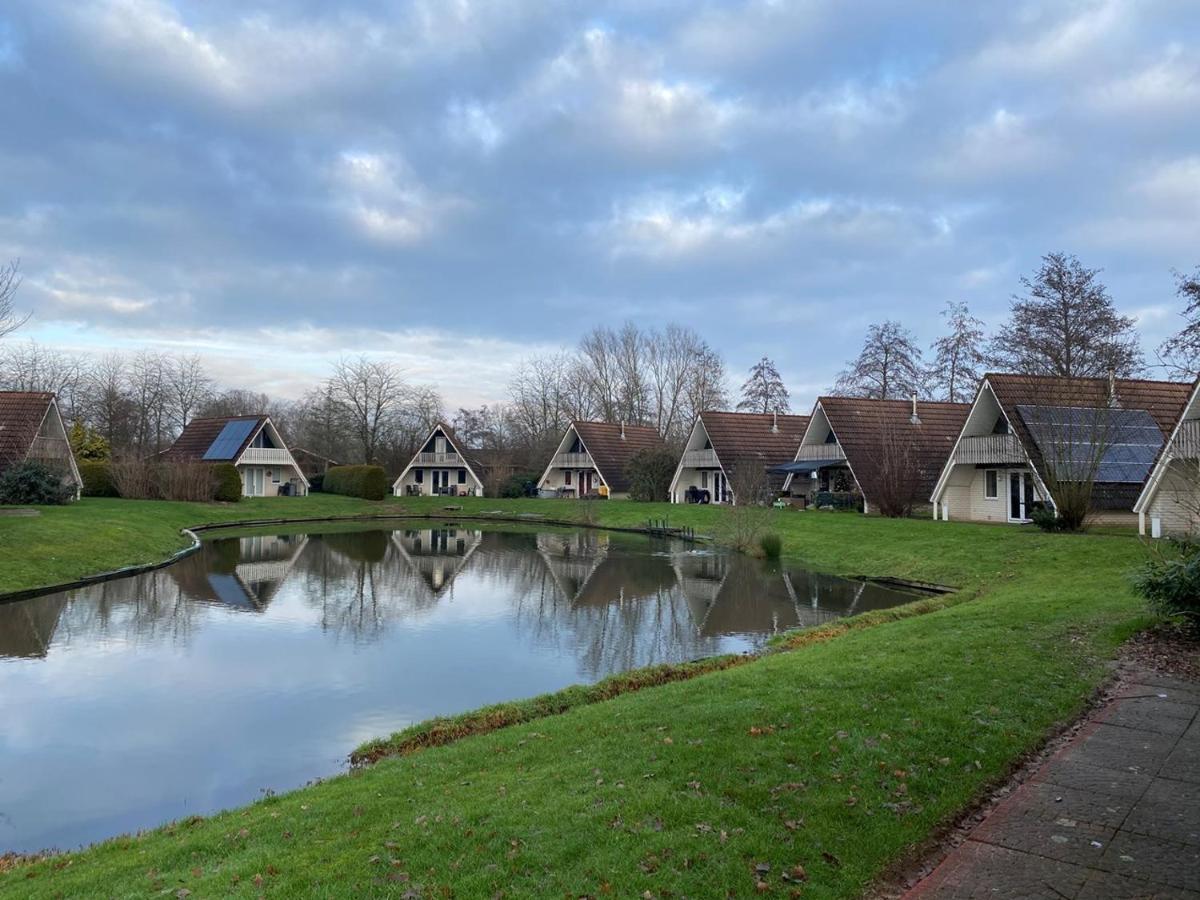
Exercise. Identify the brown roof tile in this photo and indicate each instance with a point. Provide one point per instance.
(198, 435)
(865, 430)
(611, 452)
(1163, 400)
(21, 416)
(762, 439)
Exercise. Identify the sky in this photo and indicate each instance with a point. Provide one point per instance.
(459, 184)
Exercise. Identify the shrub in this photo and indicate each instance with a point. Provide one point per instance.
(771, 544)
(650, 473)
(368, 482)
(227, 483)
(522, 484)
(837, 500)
(1170, 580)
(1047, 519)
(97, 478)
(31, 483)
(191, 481)
(135, 479)
(316, 483)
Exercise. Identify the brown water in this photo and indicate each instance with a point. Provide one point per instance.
(260, 662)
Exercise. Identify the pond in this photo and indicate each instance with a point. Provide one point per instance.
(260, 662)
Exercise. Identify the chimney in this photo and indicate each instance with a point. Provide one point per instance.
(914, 418)
(1113, 402)
(622, 429)
(775, 422)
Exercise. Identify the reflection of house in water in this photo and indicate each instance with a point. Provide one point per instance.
(572, 558)
(245, 574)
(27, 626)
(437, 554)
(731, 594)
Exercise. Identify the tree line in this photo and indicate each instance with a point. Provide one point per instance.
(1063, 322)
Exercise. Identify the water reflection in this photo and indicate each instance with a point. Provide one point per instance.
(261, 661)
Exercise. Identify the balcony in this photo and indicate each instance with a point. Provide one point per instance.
(1187, 441)
(990, 450)
(266, 456)
(572, 461)
(820, 451)
(701, 459)
(439, 459)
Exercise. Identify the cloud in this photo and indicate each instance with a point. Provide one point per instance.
(384, 199)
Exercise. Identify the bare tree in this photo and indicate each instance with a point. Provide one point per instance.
(680, 363)
(706, 385)
(764, 391)
(110, 408)
(891, 473)
(369, 393)
(10, 280)
(148, 373)
(1066, 325)
(545, 396)
(957, 355)
(188, 386)
(887, 368)
(235, 402)
(1181, 353)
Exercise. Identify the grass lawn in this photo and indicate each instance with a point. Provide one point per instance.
(811, 769)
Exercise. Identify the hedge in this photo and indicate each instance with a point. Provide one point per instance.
(229, 483)
(97, 478)
(367, 482)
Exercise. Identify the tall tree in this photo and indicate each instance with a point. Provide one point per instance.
(763, 391)
(188, 386)
(10, 280)
(1181, 353)
(887, 368)
(1065, 324)
(369, 393)
(957, 355)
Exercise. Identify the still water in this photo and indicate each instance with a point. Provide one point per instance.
(260, 662)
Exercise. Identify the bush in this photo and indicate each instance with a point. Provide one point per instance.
(650, 473)
(135, 479)
(97, 478)
(194, 482)
(1047, 519)
(772, 545)
(522, 484)
(1170, 581)
(316, 483)
(367, 482)
(31, 483)
(227, 486)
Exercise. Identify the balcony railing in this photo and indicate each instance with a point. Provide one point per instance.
(266, 456)
(48, 448)
(820, 451)
(439, 459)
(1187, 441)
(700, 459)
(572, 461)
(990, 449)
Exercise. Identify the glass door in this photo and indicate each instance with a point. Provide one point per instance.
(1020, 496)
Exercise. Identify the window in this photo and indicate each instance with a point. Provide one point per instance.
(274, 473)
(703, 478)
(991, 484)
(462, 476)
(420, 475)
(567, 476)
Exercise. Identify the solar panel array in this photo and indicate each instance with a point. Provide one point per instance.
(230, 440)
(1118, 445)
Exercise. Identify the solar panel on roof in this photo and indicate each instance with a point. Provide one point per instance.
(230, 440)
(1106, 445)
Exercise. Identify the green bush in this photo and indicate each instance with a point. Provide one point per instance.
(522, 484)
(97, 478)
(316, 483)
(229, 483)
(1047, 519)
(650, 473)
(33, 484)
(838, 500)
(1170, 580)
(772, 545)
(367, 482)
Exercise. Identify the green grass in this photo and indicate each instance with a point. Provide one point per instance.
(838, 757)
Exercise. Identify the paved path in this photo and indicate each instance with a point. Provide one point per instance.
(1114, 814)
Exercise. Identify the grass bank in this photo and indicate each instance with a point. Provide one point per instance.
(814, 769)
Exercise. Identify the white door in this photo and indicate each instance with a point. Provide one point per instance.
(252, 480)
(1021, 496)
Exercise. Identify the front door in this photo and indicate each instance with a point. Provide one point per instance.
(718, 487)
(253, 481)
(1020, 496)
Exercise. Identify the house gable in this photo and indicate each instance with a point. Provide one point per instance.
(452, 442)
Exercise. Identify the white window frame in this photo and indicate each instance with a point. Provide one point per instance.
(996, 480)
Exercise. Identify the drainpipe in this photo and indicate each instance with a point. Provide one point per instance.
(914, 418)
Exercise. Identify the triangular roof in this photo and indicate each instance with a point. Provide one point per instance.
(763, 439)
(21, 416)
(611, 452)
(861, 424)
(1163, 400)
(470, 459)
(1164, 458)
(198, 435)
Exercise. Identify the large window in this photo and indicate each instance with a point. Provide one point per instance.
(567, 476)
(462, 476)
(420, 473)
(991, 484)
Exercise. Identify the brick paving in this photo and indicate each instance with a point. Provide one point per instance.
(1114, 814)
